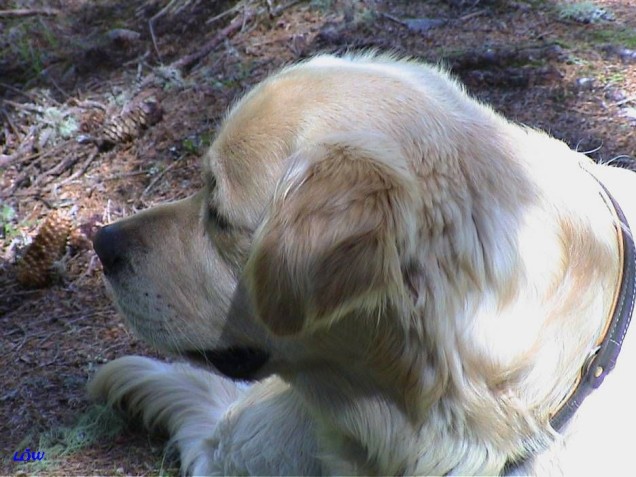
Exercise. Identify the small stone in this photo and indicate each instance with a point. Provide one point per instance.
(123, 34)
(627, 55)
(585, 84)
(615, 94)
(422, 25)
(630, 113)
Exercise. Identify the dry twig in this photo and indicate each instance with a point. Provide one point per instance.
(59, 169)
(27, 172)
(158, 178)
(91, 157)
(235, 25)
(51, 361)
(503, 57)
(29, 12)
(626, 100)
(225, 13)
(472, 15)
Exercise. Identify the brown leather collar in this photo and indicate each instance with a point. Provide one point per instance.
(609, 347)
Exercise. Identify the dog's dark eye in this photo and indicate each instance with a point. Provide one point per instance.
(212, 211)
(221, 222)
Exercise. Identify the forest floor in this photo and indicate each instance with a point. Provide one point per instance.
(107, 105)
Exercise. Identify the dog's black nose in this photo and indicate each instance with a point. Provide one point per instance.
(109, 244)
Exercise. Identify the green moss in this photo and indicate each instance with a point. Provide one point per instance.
(583, 12)
(625, 37)
(99, 422)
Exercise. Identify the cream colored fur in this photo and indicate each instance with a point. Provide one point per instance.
(427, 278)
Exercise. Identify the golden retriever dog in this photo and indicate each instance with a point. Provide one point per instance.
(413, 284)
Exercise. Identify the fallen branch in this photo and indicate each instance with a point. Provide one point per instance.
(29, 12)
(82, 170)
(224, 14)
(472, 15)
(26, 171)
(235, 25)
(7, 159)
(51, 361)
(505, 57)
(91, 157)
(626, 100)
(39, 176)
(58, 169)
(124, 175)
(26, 145)
(24, 106)
(18, 91)
(240, 21)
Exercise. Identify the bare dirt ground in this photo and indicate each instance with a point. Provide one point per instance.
(107, 105)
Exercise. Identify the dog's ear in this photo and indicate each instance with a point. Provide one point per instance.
(334, 234)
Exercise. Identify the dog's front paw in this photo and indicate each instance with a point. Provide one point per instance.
(186, 401)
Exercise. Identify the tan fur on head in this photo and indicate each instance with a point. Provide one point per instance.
(414, 282)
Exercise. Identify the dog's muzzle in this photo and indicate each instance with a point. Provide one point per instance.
(241, 363)
(113, 244)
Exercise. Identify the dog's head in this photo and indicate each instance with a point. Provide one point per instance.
(339, 211)
(307, 216)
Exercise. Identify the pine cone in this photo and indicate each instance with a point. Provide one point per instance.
(92, 121)
(77, 240)
(129, 124)
(34, 268)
